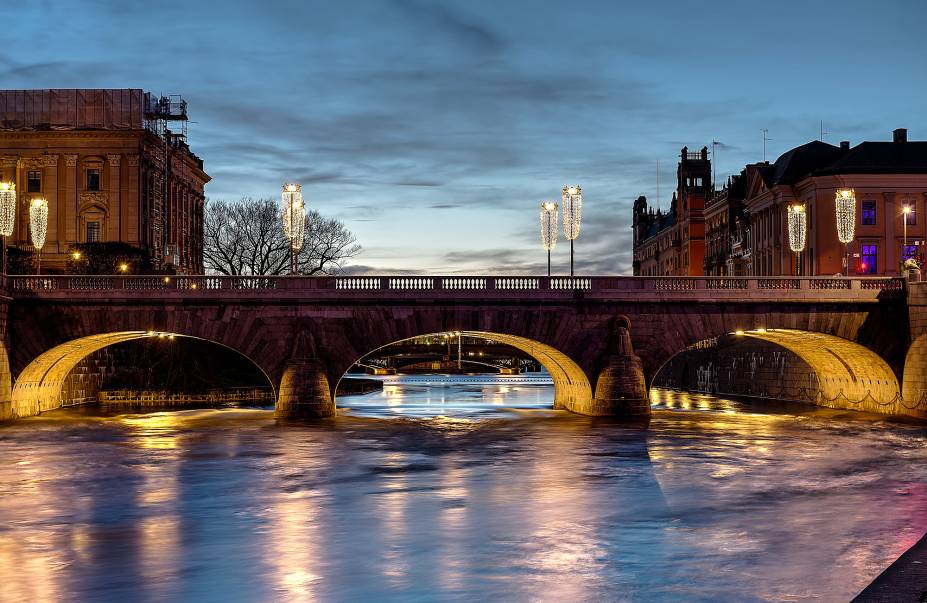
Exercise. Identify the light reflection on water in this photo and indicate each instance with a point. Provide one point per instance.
(715, 500)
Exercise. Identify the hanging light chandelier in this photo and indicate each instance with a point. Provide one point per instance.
(549, 228)
(38, 222)
(294, 215)
(798, 228)
(7, 208)
(846, 215)
(572, 215)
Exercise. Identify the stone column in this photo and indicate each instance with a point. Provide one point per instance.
(67, 207)
(304, 392)
(50, 188)
(130, 201)
(116, 220)
(620, 389)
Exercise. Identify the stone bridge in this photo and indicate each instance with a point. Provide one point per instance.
(601, 338)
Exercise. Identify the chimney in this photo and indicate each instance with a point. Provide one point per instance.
(900, 135)
(844, 145)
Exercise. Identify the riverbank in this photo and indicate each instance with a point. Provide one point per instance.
(904, 580)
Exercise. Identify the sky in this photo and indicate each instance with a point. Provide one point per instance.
(434, 129)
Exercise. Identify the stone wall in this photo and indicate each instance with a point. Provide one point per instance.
(742, 367)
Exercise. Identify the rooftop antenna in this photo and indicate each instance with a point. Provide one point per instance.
(765, 140)
(822, 131)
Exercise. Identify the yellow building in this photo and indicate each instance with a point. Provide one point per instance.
(113, 165)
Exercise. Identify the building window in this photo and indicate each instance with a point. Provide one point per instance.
(869, 259)
(93, 232)
(34, 182)
(93, 180)
(908, 251)
(869, 213)
(911, 213)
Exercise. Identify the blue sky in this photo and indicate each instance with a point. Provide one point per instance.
(434, 129)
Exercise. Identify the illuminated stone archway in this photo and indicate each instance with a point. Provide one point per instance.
(848, 374)
(38, 387)
(572, 388)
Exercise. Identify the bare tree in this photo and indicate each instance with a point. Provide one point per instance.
(246, 237)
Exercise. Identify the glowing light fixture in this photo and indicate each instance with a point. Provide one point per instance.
(549, 228)
(738, 332)
(798, 228)
(76, 255)
(38, 227)
(294, 220)
(572, 196)
(123, 267)
(846, 221)
(7, 208)
(7, 214)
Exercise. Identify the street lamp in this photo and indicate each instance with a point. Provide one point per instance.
(7, 214)
(845, 201)
(572, 215)
(294, 220)
(798, 228)
(549, 229)
(38, 227)
(906, 211)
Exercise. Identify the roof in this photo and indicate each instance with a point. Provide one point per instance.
(70, 109)
(880, 158)
(797, 163)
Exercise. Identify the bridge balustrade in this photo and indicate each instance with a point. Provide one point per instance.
(462, 284)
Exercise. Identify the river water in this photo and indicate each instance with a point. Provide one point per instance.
(457, 492)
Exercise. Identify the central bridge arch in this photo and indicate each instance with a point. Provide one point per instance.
(572, 387)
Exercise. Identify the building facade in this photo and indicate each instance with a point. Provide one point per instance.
(746, 222)
(113, 166)
(674, 243)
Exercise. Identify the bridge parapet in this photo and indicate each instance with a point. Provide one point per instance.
(340, 287)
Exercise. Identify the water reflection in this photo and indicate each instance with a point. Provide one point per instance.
(716, 500)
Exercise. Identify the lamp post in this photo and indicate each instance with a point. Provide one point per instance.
(294, 220)
(572, 215)
(798, 228)
(459, 361)
(38, 227)
(549, 229)
(845, 206)
(906, 210)
(7, 214)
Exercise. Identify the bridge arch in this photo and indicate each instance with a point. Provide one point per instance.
(572, 387)
(38, 387)
(847, 374)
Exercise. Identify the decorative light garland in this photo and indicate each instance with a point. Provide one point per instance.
(549, 226)
(294, 215)
(7, 208)
(798, 227)
(846, 215)
(572, 211)
(38, 222)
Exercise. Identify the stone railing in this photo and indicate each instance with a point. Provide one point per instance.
(460, 285)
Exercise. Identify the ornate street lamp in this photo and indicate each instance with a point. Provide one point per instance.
(549, 229)
(38, 227)
(798, 229)
(906, 211)
(294, 220)
(7, 214)
(846, 221)
(572, 215)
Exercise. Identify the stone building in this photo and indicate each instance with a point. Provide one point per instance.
(113, 165)
(674, 243)
(746, 226)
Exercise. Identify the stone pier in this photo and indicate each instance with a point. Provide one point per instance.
(304, 391)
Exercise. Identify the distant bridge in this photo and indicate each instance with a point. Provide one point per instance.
(601, 338)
